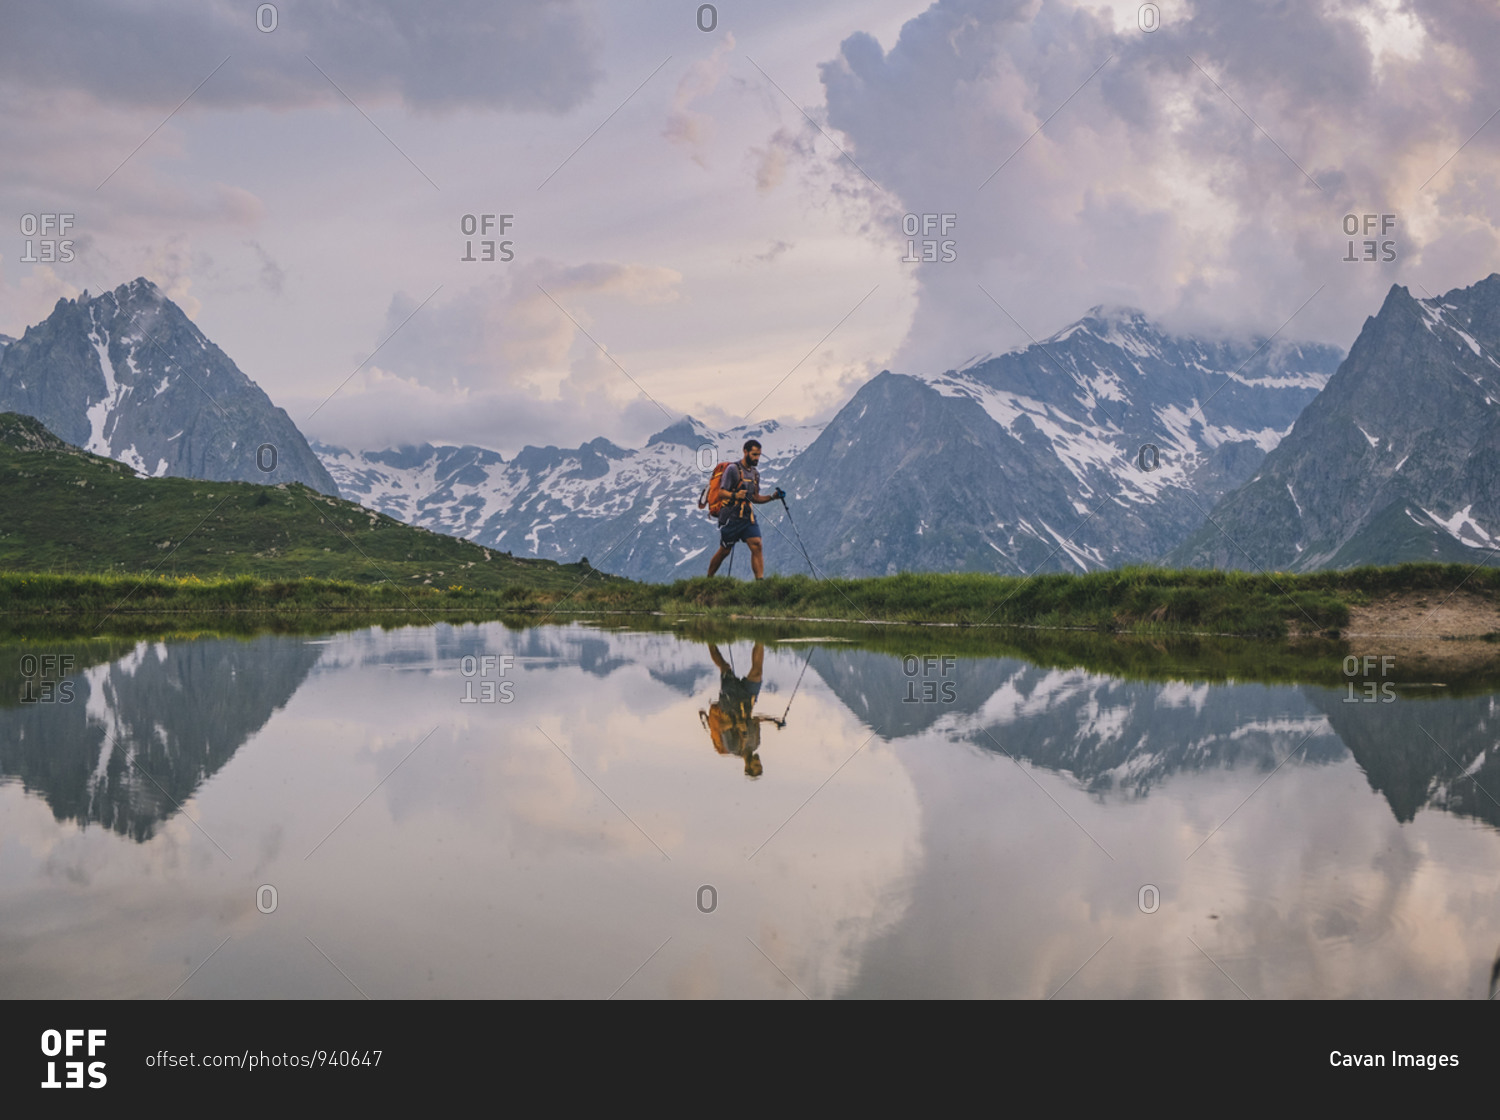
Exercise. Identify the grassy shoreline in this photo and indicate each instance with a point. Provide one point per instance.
(1187, 658)
(1138, 601)
(1134, 624)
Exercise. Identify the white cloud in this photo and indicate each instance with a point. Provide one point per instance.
(689, 126)
(443, 54)
(516, 331)
(1149, 183)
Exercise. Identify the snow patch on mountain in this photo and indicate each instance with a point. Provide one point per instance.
(597, 500)
(1463, 528)
(100, 412)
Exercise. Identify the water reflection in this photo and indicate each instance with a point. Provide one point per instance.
(124, 743)
(732, 726)
(480, 810)
(1433, 754)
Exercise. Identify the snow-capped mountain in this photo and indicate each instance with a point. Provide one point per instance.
(1103, 445)
(1030, 459)
(1398, 459)
(633, 512)
(126, 374)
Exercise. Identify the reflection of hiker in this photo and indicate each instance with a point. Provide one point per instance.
(731, 725)
(740, 484)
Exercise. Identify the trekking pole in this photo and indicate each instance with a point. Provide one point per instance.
(800, 544)
(812, 650)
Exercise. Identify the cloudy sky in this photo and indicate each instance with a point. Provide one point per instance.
(711, 221)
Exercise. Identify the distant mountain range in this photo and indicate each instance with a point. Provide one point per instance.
(126, 374)
(995, 467)
(1398, 459)
(1111, 442)
(1100, 446)
(633, 512)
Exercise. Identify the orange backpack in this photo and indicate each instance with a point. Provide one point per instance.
(713, 719)
(714, 497)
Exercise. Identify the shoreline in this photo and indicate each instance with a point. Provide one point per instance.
(1431, 619)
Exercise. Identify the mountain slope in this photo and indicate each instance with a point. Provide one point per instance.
(67, 509)
(1031, 461)
(127, 375)
(1398, 459)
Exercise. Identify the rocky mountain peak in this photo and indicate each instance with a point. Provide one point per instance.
(1117, 315)
(686, 432)
(126, 374)
(1398, 459)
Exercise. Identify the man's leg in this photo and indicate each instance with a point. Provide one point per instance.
(757, 558)
(718, 558)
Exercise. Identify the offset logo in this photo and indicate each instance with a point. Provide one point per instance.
(1369, 246)
(936, 688)
(471, 224)
(51, 227)
(929, 224)
(491, 691)
(42, 678)
(65, 1044)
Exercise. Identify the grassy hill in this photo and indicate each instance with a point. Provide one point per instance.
(63, 510)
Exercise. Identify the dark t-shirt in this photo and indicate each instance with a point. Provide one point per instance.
(737, 702)
(730, 482)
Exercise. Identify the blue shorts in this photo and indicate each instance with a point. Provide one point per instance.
(738, 529)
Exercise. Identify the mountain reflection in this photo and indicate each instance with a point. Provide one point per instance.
(1419, 754)
(145, 729)
(1119, 737)
(143, 732)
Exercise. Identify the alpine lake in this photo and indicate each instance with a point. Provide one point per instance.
(639, 807)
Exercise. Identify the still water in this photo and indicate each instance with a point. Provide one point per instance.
(585, 811)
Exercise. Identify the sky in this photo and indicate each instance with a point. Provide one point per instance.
(708, 210)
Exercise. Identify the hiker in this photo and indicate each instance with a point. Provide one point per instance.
(741, 483)
(731, 723)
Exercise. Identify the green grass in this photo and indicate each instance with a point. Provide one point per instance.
(66, 511)
(1138, 600)
(97, 594)
(1141, 601)
(1126, 624)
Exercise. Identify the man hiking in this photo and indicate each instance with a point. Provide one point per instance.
(731, 720)
(741, 481)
